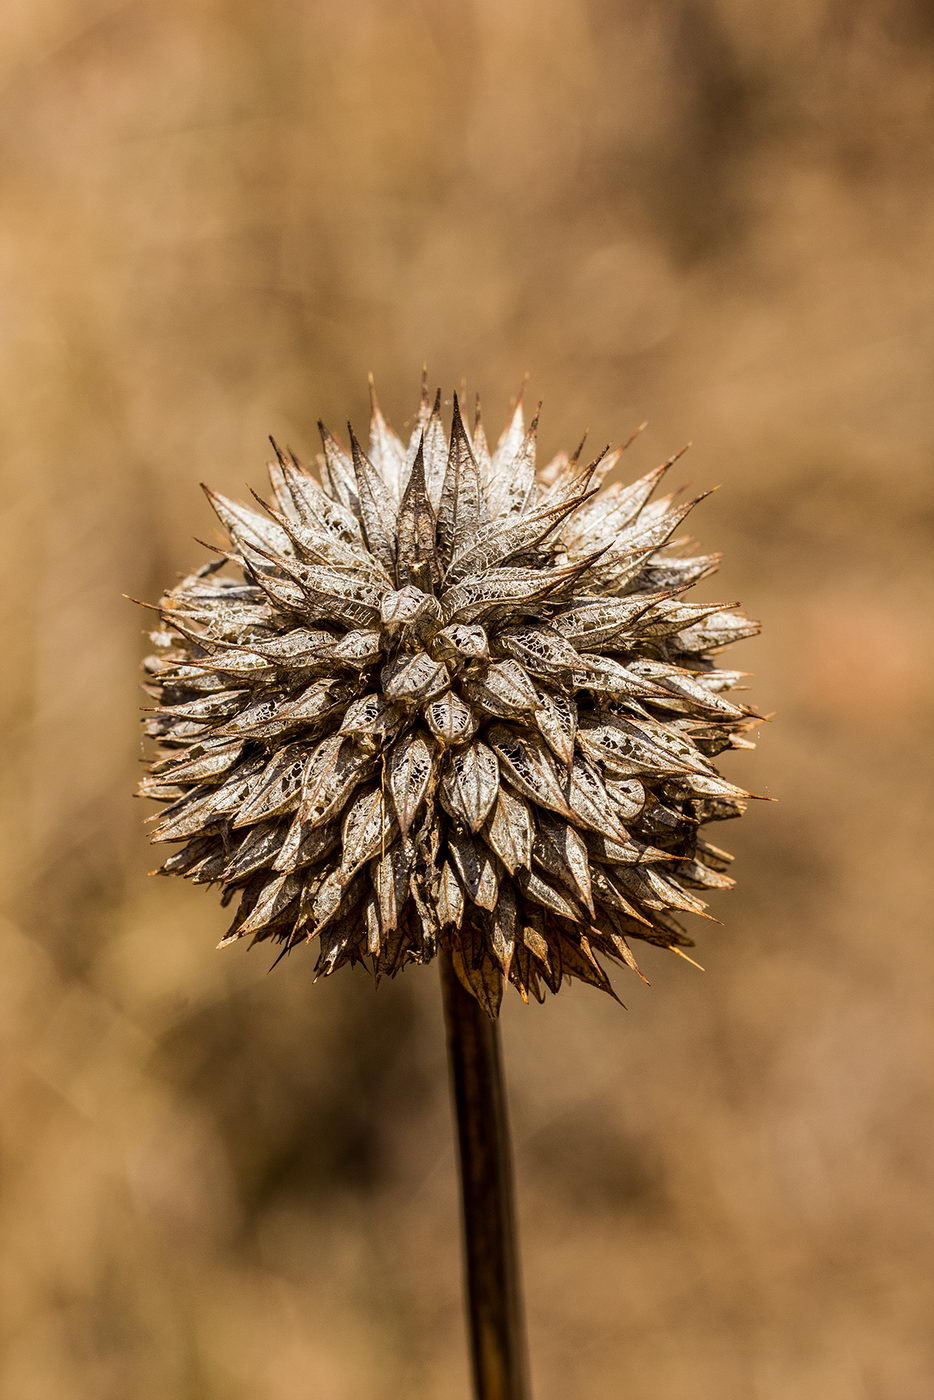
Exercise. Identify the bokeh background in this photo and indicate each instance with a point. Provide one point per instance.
(719, 216)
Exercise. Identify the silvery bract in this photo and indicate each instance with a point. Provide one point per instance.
(433, 699)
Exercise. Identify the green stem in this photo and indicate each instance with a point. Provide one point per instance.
(497, 1338)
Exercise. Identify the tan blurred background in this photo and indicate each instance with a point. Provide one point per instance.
(215, 219)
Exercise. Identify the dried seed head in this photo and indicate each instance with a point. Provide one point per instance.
(435, 699)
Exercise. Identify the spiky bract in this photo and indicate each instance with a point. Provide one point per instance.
(435, 699)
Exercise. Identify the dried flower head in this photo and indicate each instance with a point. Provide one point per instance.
(435, 699)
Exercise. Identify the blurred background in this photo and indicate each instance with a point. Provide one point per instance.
(216, 218)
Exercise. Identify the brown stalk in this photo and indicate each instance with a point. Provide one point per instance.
(491, 1256)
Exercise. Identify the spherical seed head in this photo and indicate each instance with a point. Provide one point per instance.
(429, 698)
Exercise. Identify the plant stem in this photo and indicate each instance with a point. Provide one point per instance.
(497, 1337)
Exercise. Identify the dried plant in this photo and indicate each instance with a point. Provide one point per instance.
(435, 699)
(444, 705)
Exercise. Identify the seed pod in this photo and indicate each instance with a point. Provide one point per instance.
(436, 700)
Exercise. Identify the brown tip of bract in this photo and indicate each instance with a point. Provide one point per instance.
(682, 954)
(636, 433)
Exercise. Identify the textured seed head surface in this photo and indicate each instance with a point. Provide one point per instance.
(429, 698)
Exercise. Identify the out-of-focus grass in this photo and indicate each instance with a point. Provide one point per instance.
(216, 219)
